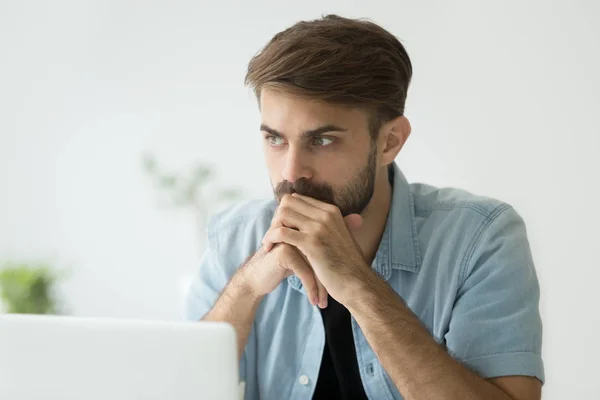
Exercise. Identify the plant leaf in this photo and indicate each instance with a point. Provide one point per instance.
(149, 163)
(168, 181)
(202, 173)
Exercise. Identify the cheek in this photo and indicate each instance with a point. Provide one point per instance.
(274, 166)
(338, 173)
(269, 155)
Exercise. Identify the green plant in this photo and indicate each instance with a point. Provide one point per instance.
(29, 288)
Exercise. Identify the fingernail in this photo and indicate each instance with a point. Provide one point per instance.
(324, 303)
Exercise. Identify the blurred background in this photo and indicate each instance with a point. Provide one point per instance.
(125, 124)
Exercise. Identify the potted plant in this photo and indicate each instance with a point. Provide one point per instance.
(29, 288)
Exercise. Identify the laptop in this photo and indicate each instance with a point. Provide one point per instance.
(70, 358)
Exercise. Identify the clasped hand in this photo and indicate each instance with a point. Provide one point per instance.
(324, 239)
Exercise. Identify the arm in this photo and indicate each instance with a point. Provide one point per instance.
(420, 367)
(211, 282)
(495, 328)
(237, 305)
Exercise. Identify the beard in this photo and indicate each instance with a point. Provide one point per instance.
(352, 198)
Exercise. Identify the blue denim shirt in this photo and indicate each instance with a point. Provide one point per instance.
(461, 262)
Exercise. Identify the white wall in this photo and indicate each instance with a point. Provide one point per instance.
(504, 102)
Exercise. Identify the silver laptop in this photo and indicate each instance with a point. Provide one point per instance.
(68, 358)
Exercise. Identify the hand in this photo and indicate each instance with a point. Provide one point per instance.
(320, 232)
(266, 269)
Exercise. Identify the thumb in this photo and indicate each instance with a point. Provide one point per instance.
(353, 221)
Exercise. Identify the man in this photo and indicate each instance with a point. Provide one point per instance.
(354, 284)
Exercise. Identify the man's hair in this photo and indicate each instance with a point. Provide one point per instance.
(348, 62)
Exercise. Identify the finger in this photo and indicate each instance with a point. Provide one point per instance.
(322, 294)
(309, 281)
(267, 241)
(267, 245)
(291, 218)
(314, 202)
(322, 290)
(271, 239)
(298, 203)
(288, 202)
(353, 221)
(286, 235)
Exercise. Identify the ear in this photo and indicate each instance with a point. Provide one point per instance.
(392, 137)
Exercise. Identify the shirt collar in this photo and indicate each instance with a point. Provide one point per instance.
(399, 247)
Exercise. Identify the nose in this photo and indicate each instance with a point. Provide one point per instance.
(295, 166)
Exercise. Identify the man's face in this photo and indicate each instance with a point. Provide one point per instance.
(318, 150)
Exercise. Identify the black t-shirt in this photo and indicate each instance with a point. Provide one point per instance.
(339, 377)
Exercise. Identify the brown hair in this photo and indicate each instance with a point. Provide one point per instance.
(350, 62)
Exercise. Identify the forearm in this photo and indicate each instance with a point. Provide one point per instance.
(237, 305)
(419, 367)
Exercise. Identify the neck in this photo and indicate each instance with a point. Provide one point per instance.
(369, 235)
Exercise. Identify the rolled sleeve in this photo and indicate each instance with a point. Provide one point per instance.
(496, 328)
(207, 284)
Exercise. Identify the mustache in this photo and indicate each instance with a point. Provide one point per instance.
(321, 192)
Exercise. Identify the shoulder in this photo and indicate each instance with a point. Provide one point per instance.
(454, 203)
(466, 223)
(456, 210)
(241, 226)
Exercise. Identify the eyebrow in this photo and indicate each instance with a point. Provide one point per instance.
(306, 134)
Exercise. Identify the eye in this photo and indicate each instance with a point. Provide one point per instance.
(274, 140)
(322, 141)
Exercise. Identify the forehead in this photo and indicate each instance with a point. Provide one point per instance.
(286, 112)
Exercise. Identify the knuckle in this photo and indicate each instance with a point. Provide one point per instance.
(320, 228)
(334, 212)
(285, 200)
(280, 232)
(285, 249)
(283, 209)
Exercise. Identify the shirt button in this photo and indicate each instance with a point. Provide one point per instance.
(303, 380)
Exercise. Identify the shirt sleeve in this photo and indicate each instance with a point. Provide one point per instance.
(496, 328)
(206, 287)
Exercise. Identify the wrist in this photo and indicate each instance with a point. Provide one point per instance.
(243, 284)
(361, 288)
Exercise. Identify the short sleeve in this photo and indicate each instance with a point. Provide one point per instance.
(206, 288)
(496, 328)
